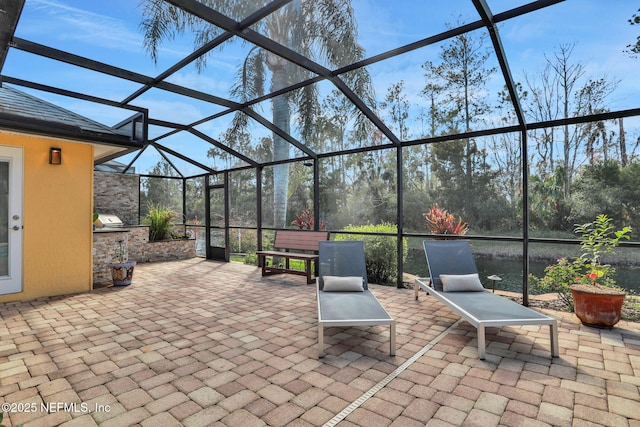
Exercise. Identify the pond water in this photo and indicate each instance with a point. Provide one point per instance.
(510, 271)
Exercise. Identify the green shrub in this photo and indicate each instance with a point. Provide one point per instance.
(159, 221)
(251, 258)
(557, 279)
(380, 251)
(243, 240)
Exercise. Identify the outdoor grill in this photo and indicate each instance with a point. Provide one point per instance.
(108, 221)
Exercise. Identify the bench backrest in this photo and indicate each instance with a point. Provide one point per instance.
(299, 240)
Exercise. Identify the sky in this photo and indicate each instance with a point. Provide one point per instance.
(110, 32)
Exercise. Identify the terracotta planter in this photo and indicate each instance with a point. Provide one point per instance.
(122, 273)
(597, 307)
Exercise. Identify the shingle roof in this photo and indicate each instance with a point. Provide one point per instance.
(16, 103)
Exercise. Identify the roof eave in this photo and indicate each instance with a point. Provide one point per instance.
(60, 130)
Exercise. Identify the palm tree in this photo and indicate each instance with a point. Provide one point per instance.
(321, 30)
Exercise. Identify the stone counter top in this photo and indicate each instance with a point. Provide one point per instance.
(111, 230)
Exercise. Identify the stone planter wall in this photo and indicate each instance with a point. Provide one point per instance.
(167, 250)
(138, 243)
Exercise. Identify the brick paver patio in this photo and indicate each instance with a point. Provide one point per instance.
(200, 343)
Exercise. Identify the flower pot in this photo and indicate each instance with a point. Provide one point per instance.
(595, 306)
(122, 273)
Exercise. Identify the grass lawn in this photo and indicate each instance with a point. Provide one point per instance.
(294, 264)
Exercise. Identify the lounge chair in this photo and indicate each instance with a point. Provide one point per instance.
(454, 282)
(343, 294)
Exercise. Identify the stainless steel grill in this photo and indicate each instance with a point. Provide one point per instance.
(110, 221)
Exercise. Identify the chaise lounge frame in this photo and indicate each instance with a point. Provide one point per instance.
(348, 308)
(480, 309)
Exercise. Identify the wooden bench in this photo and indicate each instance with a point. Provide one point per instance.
(305, 243)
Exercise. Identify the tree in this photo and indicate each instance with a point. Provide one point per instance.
(374, 184)
(606, 187)
(543, 106)
(547, 208)
(397, 106)
(194, 200)
(634, 49)
(559, 93)
(431, 117)
(598, 189)
(507, 155)
(480, 203)
(461, 77)
(567, 75)
(433, 92)
(465, 74)
(165, 192)
(332, 132)
(322, 30)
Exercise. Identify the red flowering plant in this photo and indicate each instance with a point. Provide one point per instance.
(305, 221)
(440, 221)
(599, 275)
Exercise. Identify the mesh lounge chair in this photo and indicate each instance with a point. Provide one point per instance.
(452, 261)
(344, 298)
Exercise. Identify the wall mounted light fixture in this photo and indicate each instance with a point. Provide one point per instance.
(55, 156)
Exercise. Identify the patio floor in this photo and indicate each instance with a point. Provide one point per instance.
(201, 343)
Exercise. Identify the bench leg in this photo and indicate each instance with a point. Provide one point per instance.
(307, 268)
(263, 264)
(320, 340)
(392, 339)
(481, 342)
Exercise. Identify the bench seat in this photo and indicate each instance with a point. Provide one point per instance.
(293, 244)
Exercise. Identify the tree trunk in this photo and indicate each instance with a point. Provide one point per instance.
(623, 145)
(281, 118)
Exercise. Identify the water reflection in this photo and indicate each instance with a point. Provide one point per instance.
(510, 271)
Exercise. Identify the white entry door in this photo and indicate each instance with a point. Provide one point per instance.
(11, 188)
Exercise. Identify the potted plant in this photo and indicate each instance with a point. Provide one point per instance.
(597, 301)
(585, 284)
(440, 221)
(121, 268)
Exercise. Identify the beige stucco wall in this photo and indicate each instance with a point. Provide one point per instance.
(58, 204)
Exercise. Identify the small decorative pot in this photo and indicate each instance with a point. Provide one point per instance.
(597, 306)
(122, 273)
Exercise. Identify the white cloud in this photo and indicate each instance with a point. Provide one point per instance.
(60, 20)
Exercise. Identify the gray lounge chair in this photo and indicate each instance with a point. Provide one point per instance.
(481, 309)
(342, 269)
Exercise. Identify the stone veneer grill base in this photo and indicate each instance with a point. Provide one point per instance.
(106, 247)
